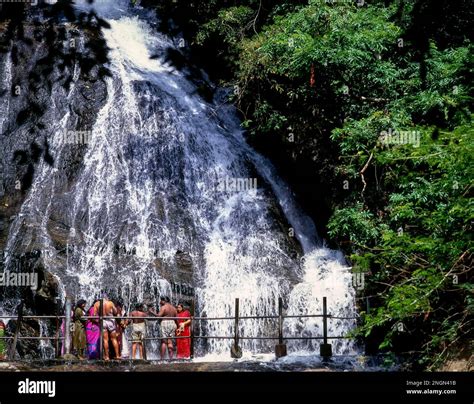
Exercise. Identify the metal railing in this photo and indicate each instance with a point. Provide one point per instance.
(236, 352)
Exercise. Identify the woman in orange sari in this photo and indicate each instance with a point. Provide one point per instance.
(183, 345)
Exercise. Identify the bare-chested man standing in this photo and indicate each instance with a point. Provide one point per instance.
(168, 327)
(138, 330)
(108, 310)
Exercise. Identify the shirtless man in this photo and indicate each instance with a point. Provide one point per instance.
(108, 310)
(168, 327)
(138, 330)
(121, 324)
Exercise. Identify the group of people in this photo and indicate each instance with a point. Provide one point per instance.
(175, 324)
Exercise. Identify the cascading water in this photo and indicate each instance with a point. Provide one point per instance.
(5, 88)
(166, 172)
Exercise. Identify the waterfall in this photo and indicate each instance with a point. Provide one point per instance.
(6, 87)
(165, 172)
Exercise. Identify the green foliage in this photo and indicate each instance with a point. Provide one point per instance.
(343, 44)
(354, 224)
(231, 23)
(409, 225)
(342, 82)
(428, 200)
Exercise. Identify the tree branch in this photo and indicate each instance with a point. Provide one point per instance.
(363, 171)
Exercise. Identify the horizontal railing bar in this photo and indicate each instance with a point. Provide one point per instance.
(271, 338)
(34, 317)
(54, 338)
(274, 338)
(106, 317)
(125, 360)
(154, 318)
(303, 338)
(257, 338)
(177, 337)
(158, 338)
(303, 316)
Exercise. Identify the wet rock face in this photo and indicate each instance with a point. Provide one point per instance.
(142, 214)
(40, 295)
(26, 349)
(45, 297)
(25, 136)
(41, 84)
(184, 263)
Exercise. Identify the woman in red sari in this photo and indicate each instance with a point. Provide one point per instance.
(183, 345)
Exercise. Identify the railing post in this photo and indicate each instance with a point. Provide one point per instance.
(17, 331)
(191, 329)
(67, 327)
(325, 320)
(235, 351)
(280, 348)
(144, 343)
(58, 327)
(325, 349)
(101, 329)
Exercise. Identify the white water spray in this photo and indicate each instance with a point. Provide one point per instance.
(149, 182)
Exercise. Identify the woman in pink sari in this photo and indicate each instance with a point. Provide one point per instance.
(183, 345)
(92, 334)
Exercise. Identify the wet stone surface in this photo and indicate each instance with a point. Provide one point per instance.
(287, 364)
(152, 366)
